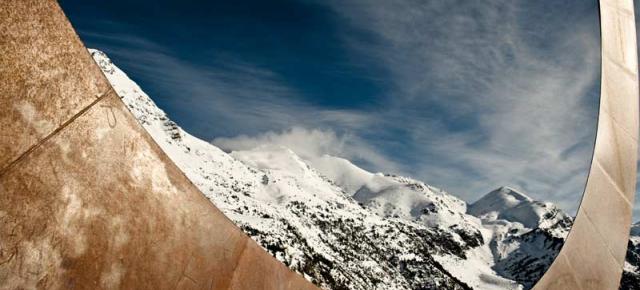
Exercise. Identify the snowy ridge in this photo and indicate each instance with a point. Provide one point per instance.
(526, 235)
(342, 172)
(298, 215)
(506, 203)
(345, 228)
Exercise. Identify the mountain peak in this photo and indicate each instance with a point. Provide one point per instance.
(512, 205)
(272, 157)
(345, 174)
(501, 198)
(510, 191)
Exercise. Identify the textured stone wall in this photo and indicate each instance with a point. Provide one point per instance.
(87, 199)
(594, 253)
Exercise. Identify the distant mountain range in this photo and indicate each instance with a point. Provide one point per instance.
(346, 228)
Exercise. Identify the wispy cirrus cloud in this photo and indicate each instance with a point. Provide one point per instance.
(313, 143)
(477, 94)
(249, 103)
(234, 96)
(508, 89)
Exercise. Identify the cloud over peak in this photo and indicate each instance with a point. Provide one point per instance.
(313, 143)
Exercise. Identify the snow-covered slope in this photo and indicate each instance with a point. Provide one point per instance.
(508, 204)
(342, 172)
(345, 228)
(299, 215)
(527, 236)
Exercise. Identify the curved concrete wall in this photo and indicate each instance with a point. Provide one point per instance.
(594, 253)
(87, 199)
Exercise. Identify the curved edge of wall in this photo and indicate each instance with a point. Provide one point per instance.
(87, 199)
(593, 255)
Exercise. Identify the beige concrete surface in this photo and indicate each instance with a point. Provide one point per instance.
(87, 199)
(594, 253)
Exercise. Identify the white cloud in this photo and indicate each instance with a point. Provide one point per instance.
(312, 143)
(306, 143)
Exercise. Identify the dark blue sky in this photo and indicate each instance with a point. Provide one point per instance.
(465, 95)
(298, 41)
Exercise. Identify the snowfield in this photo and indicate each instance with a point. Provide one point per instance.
(343, 227)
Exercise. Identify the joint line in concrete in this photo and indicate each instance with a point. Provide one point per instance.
(26, 153)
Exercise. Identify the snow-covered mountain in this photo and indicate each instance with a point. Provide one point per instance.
(346, 228)
(527, 234)
(299, 215)
(508, 204)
